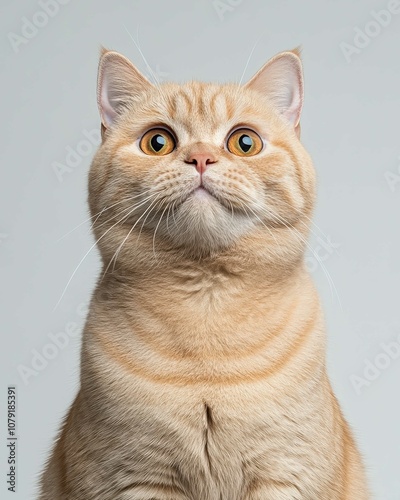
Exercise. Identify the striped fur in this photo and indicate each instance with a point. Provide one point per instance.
(203, 360)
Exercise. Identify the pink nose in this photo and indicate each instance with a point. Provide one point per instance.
(201, 161)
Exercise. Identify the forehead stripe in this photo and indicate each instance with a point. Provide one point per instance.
(218, 105)
(181, 105)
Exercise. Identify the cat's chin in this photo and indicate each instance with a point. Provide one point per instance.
(204, 225)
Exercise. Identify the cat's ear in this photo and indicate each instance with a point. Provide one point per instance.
(118, 82)
(281, 81)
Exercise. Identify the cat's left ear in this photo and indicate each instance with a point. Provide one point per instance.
(281, 81)
(118, 83)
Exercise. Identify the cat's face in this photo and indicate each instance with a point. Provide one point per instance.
(199, 166)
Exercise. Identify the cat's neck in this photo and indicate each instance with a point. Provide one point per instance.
(203, 308)
(260, 260)
(184, 275)
(235, 293)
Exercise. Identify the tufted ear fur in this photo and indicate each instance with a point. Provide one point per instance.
(281, 81)
(118, 82)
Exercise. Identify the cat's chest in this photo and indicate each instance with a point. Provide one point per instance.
(213, 440)
(222, 432)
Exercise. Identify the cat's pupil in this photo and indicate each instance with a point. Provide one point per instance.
(157, 142)
(245, 143)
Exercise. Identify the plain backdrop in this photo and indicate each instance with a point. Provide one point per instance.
(48, 132)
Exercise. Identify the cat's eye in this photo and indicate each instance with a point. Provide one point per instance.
(244, 142)
(157, 142)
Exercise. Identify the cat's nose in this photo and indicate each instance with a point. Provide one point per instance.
(201, 161)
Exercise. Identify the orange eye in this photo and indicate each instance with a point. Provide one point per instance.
(157, 142)
(244, 142)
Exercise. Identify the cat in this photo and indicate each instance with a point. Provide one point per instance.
(203, 372)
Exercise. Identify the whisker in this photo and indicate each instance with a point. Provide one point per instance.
(86, 254)
(278, 218)
(323, 267)
(99, 213)
(115, 256)
(248, 60)
(173, 211)
(154, 235)
(142, 202)
(96, 219)
(143, 223)
(319, 229)
(130, 198)
(269, 230)
(141, 53)
(169, 209)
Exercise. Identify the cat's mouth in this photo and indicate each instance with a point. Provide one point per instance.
(202, 192)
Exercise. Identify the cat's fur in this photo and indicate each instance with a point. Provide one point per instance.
(203, 370)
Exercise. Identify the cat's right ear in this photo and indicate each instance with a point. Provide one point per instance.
(281, 81)
(118, 83)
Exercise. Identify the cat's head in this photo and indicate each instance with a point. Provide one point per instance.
(196, 166)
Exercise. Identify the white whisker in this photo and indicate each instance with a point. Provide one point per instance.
(319, 229)
(155, 231)
(141, 53)
(328, 276)
(86, 254)
(116, 253)
(248, 60)
(139, 204)
(100, 213)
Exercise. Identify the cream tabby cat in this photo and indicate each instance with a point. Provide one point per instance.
(203, 361)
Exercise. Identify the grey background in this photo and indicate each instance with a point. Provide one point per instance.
(350, 126)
